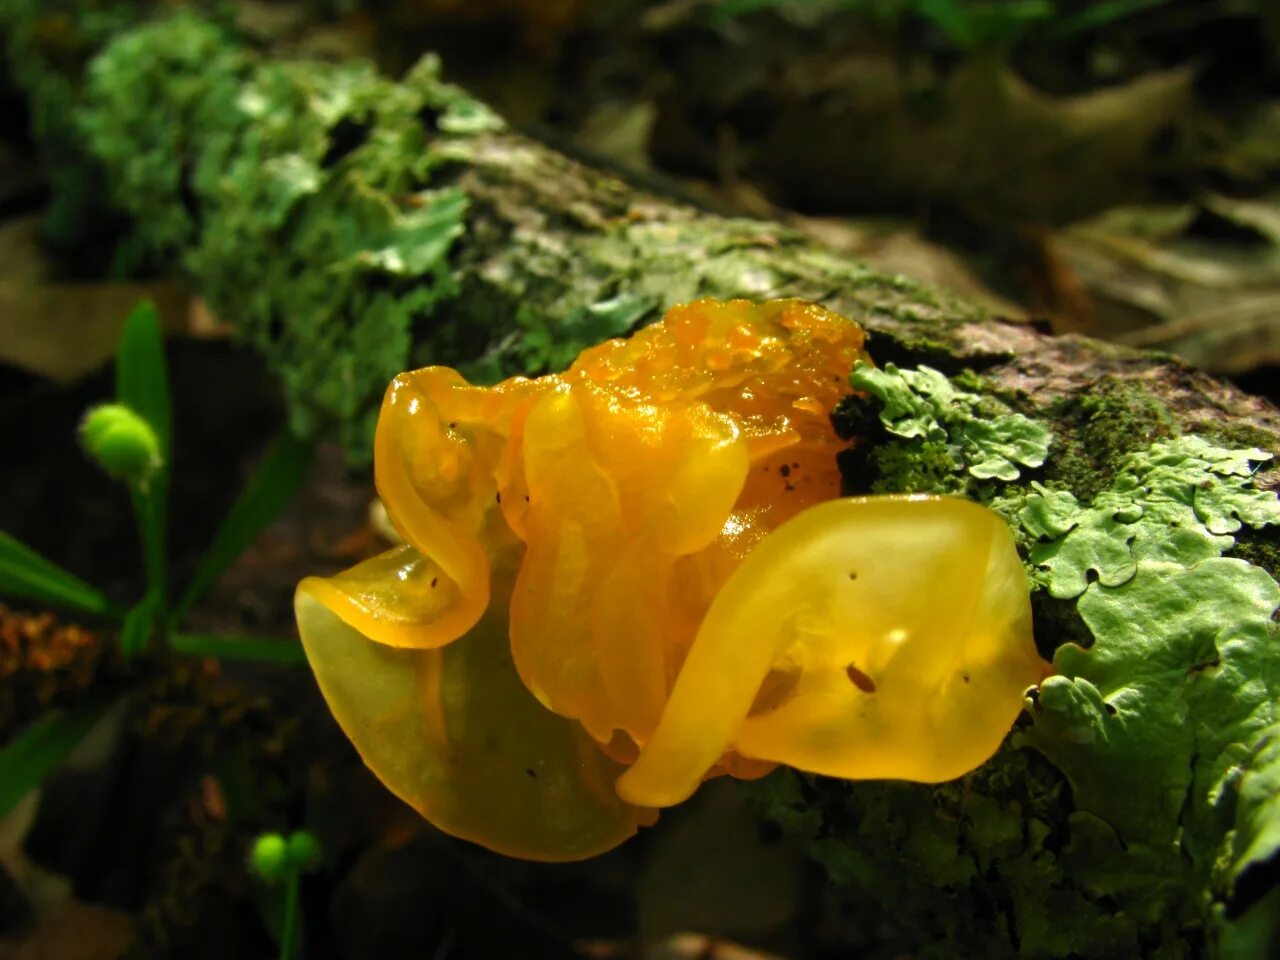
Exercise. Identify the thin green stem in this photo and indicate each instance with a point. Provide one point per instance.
(149, 505)
(290, 915)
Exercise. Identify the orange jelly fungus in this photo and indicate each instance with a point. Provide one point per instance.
(618, 581)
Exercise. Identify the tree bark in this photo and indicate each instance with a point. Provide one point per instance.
(528, 255)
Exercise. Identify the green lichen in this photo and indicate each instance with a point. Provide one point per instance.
(570, 290)
(1249, 868)
(1180, 500)
(547, 345)
(1154, 722)
(47, 44)
(301, 198)
(231, 166)
(1135, 811)
(941, 424)
(569, 283)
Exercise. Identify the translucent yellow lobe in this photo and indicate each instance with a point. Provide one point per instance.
(882, 637)
(455, 735)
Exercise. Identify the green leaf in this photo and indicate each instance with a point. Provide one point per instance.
(283, 471)
(1099, 14)
(951, 18)
(142, 384)
(139, 623)
(35, 754)
(26, 574)
(142, 380)
(261, 649)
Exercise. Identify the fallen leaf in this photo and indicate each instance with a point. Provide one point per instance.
(1201, 281)
(65, 330)
(980, 137)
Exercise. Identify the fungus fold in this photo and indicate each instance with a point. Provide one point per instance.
(620, 580)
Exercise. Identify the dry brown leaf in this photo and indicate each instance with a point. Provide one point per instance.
(1201, 281)
(65, 330)
(988, 141)
(896, 247)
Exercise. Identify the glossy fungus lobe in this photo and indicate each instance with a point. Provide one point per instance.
(867, 638)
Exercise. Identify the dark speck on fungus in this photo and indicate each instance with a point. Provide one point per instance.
(860, 679)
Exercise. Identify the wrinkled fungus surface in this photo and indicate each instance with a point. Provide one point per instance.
(618, 581)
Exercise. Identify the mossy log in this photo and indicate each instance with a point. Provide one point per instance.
(352, 227)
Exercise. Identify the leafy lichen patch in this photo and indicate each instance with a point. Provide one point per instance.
(1154, 721)
(1253, 861)
(305, 199)
(947, 434)
(1151, 736)
(1179, 501)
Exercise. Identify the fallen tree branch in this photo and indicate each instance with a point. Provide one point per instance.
(352, 227)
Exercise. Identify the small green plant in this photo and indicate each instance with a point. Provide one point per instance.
(281, 861)
(131, 438)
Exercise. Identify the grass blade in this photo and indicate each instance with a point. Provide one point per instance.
(35, 754)
(260, 649)
(142, 378)
(142, 383)
(1100, 14)
(26, 574)
(149, 508)
(283, 471)
(139, 624)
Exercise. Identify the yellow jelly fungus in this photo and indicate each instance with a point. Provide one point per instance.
(890, 636)
(650, 581)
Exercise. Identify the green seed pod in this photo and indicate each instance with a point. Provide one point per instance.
(269, 858)
(121, 442)
(304, 850)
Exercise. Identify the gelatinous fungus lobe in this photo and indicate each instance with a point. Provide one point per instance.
(627, 563)
(867, 638)
(652, 468)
